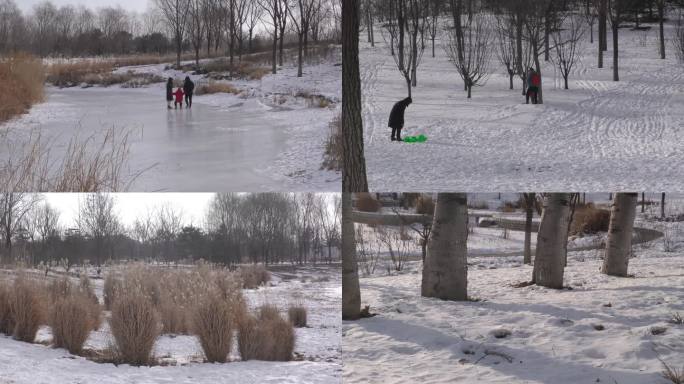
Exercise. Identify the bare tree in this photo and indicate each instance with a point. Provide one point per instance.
(507, 51)
(369, 18)
(175, 13)
(473, 57)
(619, 242)
(275, 12)
(254, 14)
(536, 33)
(351, 295)
(530, 200)
(568, 46)
(197, 25)
(301, 21)
(603, 29)
(616, 11)
(354, 170)
(14, 207)
(404, 31)
(445, 271)
(590, 16)
(97, 219)
(552, 240)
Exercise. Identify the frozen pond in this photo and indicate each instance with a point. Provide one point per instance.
(206, 148)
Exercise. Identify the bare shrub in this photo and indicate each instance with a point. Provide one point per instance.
(332, 157)
(216, 87)
(676, 318)
(71, 321)
(589, 219)
(268, 337)
(135, 327)
(674, 375)
(366, 203)
(254, 276)
(22, 78)
(297, 315)
(6, 317)
(28, 309)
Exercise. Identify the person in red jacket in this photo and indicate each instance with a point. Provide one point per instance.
(179, 98)
(533, 84)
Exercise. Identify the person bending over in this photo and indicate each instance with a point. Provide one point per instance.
(396, 119)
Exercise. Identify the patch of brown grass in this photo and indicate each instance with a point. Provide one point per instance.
(254, 276)
(588, 219)
(216, 87)
(6, 317)
(22, 79)
(135, 327)
(268, 337)
(365, 202)
(28, 308)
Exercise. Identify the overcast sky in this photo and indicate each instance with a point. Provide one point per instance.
(135, 5)
(131, 205)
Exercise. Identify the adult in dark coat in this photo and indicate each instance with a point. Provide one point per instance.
(188, 88)
(396, 119)
(169, 92)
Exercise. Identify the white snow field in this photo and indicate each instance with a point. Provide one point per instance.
(317, 348)
(554, 334)
(597, 135)
(269, 138)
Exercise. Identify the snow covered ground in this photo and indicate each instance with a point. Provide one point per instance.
(599, 330)
(265, 139)
(597, 135)
(317, 348)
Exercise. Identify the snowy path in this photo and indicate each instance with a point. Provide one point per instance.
(598, 135)
(553, 336)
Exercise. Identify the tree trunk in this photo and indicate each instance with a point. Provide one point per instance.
(445, 271)
(661, 16)
(619, 243)
(552, 239)
(299, 57)
(616, 25)
(662, 205)
(351, 295)
(530, 199)
(354, 169)
(511, 75)
(565, 79)
(275, 51)
(179, 48)
(643, 202)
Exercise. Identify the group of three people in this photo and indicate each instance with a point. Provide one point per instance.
(396, 120)
(187, 90)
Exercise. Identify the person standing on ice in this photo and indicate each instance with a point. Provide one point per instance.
(188, 88)
(179, 98)
(396, 119)
(169, 92)
(533, 84)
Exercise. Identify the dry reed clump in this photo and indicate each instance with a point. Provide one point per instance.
(112, 286)
(213, 321)
(71, 320)
(216, 87)
(135, 327)
(268, 337)
(6, 317)
(22, 78)
(178, 293)
(254, 276)
(71, 74)
(589, 219)
(334, 150)
(366, 203)
(297, 314)
(27, 307)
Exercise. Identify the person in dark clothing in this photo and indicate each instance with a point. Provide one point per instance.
(533, 84)
(188, 88)
(396, 119)
(169, 92)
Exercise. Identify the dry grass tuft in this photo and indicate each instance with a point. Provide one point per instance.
(214, 320)
(589, 219)
(269, 337)
(22, 78)
(135, 327)
(365, 202)
(674, 375)
(6, 317)
(216, 87)
(297, 315)
(112, 285)
(254, 276)
(71, 320)
(28, 308)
